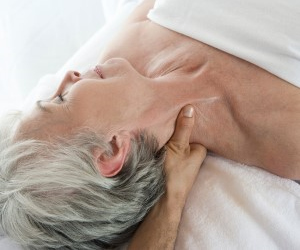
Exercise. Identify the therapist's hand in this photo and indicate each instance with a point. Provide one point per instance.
(183, 160)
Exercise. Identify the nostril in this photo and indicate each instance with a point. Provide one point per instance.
(76, 73)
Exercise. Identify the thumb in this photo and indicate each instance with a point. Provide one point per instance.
(184, 127)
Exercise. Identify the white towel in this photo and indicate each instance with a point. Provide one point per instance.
(233, 206)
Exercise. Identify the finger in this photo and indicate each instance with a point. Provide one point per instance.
(184, 127)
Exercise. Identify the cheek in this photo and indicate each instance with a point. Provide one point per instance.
(97, 105)
(94, 111)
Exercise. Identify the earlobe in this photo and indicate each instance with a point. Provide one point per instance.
(111, 165)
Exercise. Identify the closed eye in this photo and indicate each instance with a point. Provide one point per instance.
(60, 98)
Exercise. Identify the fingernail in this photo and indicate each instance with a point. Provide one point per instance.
(188, 111)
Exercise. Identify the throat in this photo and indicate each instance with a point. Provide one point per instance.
(163, 64)
(179, 61)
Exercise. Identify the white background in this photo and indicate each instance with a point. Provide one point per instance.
(38, 36)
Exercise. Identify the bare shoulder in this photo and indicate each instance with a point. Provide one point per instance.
(140, 12)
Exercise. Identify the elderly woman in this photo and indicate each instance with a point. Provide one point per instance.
(84, 167)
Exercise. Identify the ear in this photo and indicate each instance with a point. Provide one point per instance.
(111, 165)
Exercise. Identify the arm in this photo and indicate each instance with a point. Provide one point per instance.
(159, 229)
(183, 161)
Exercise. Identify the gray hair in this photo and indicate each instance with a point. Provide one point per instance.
(53, 197)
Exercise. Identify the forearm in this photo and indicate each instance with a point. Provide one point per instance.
(159, 229)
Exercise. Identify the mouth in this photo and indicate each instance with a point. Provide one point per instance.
(98, 71)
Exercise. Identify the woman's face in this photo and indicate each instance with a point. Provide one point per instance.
(108, 99)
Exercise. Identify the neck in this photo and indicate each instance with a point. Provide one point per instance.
(171, 92)
(234, 118)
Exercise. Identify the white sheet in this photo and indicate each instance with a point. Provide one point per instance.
(231, 206)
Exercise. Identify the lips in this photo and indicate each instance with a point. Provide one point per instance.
(98, 71)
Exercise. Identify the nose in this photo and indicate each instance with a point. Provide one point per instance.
(72, 76)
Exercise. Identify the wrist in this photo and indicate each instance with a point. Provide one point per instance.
(176, 195)
(171, 205)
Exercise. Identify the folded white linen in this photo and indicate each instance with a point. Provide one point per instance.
(234, 206)
(265, 33)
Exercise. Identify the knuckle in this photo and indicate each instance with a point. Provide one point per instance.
(176, 146)
(199, 150)
(202, 149)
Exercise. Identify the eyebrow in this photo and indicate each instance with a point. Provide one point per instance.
(42, 107)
